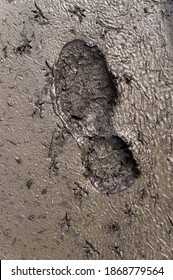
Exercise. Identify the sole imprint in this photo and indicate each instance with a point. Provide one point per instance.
(85, 95)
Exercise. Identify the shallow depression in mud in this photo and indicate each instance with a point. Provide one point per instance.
(86, 93)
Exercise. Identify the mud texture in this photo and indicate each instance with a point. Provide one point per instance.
(85, 91)
(109, 164)
(49, 208)
(85, 95)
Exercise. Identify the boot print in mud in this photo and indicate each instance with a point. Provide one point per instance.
(85, 93)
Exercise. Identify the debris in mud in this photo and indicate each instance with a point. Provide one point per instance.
(55, 148)
(29, 183)
(79, 12)
(86, 93)
(65, 224)
(130, 214)
(80, 193)
(4, 50)
(115, 249)
(54, 165)
(24, 47)
(89, 250)
(39, 15)
(44, 191)
(112, 228)
(128, 211)
(171, 224)
(51, 146)
(57, 142)
(31, 217)
(49, 69)
(38, 110)
(145, 10)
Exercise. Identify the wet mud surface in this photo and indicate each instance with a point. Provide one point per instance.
(51, 162)
(85, 95)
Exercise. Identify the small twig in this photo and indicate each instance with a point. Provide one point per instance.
(39, 15)
(5, 51)
(51, 144)
(79, 12)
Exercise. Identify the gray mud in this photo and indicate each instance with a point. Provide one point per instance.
(49, 207)
(86, 93)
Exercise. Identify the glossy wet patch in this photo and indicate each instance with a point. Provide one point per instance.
(85, 95)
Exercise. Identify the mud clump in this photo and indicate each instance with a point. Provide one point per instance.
(86, 93)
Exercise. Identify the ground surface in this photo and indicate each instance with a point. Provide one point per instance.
(49, 210)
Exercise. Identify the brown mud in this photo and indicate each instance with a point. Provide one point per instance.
(49, 208)
(86, 94)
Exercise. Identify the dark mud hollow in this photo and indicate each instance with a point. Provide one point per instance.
(85, 95)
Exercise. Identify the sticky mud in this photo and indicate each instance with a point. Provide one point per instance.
(49, 208)
(86, 92)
